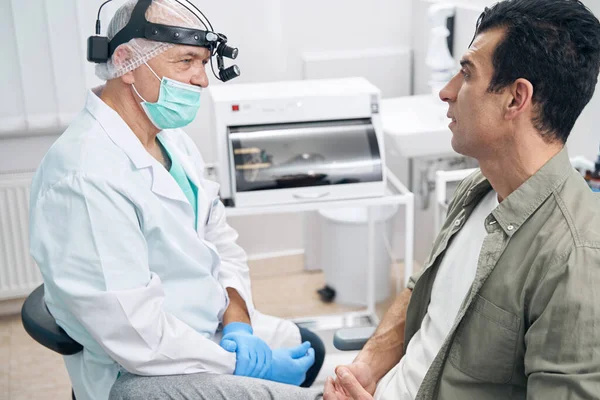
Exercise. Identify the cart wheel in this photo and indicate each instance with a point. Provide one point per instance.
(327, 294)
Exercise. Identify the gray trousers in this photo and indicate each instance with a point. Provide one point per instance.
(205, 387)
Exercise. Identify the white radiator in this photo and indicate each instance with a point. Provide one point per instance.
(19, 274)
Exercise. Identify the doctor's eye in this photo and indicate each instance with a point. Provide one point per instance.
(186, 60)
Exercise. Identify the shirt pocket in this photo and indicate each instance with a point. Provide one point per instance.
(486, 342)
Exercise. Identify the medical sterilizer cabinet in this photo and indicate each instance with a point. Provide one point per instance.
(297, 141)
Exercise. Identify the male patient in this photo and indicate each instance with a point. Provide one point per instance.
(507, 306)
(139, 264)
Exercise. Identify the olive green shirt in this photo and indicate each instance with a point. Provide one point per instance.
(530, 326)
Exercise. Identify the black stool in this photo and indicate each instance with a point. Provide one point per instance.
(42, 327)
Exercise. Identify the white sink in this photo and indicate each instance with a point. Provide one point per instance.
(416, 126)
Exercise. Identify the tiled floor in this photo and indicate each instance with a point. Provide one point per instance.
(29, 371)
(4, 359)
(281, 287)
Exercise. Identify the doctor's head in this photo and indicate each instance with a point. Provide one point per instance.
(141, 63)
(527, 76)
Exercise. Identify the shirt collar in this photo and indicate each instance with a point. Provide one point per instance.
(523, 202)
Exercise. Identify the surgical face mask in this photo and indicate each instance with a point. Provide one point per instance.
(177, 103)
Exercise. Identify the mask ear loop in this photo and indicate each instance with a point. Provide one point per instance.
(151, 70)
(138, 93)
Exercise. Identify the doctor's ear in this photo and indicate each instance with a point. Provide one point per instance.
(121, 56)
(128, 78)
(521, 98)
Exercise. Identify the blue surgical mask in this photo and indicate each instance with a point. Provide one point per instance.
(177, 103)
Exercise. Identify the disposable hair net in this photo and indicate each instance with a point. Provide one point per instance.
(167, 12)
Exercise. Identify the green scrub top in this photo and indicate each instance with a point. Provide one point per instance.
(189, 189)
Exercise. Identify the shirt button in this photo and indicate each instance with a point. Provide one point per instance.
(510, 227)
(457, 222)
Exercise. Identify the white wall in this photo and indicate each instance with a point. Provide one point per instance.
(584, 139)
(44, 61)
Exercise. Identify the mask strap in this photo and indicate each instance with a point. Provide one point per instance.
(138, 93)
(152, 71)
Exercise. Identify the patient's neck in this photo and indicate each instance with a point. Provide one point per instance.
(508, 167)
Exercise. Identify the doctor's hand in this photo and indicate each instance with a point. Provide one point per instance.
(253, 355)
(353, 382)
(290, 364)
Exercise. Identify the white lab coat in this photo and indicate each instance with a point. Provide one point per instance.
(125, 272)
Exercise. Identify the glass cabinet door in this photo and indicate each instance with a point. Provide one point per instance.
(282, 156)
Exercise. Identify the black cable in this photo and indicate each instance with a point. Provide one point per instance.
(214, 48)
(98, 28)
(213, 69)
(201, 13)
(100, 9)
(194, 14)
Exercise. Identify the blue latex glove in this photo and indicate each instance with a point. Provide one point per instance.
(253, 355)
(290, 364)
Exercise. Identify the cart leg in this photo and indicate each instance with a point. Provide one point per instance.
(371, 263)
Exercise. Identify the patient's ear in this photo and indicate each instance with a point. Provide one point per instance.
(521, 99)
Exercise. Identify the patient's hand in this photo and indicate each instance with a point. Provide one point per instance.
(353, 382)
(289, 365)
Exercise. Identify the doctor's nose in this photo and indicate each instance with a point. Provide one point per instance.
(200, 79)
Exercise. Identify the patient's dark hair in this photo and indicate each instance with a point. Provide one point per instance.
(555, 45)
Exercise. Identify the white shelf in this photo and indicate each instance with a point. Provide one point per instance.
(396, 194)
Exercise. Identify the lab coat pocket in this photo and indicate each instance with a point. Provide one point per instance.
(211, 201)
(486, 342)
(211, 209)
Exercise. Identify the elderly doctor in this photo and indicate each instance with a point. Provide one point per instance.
(139, 264)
